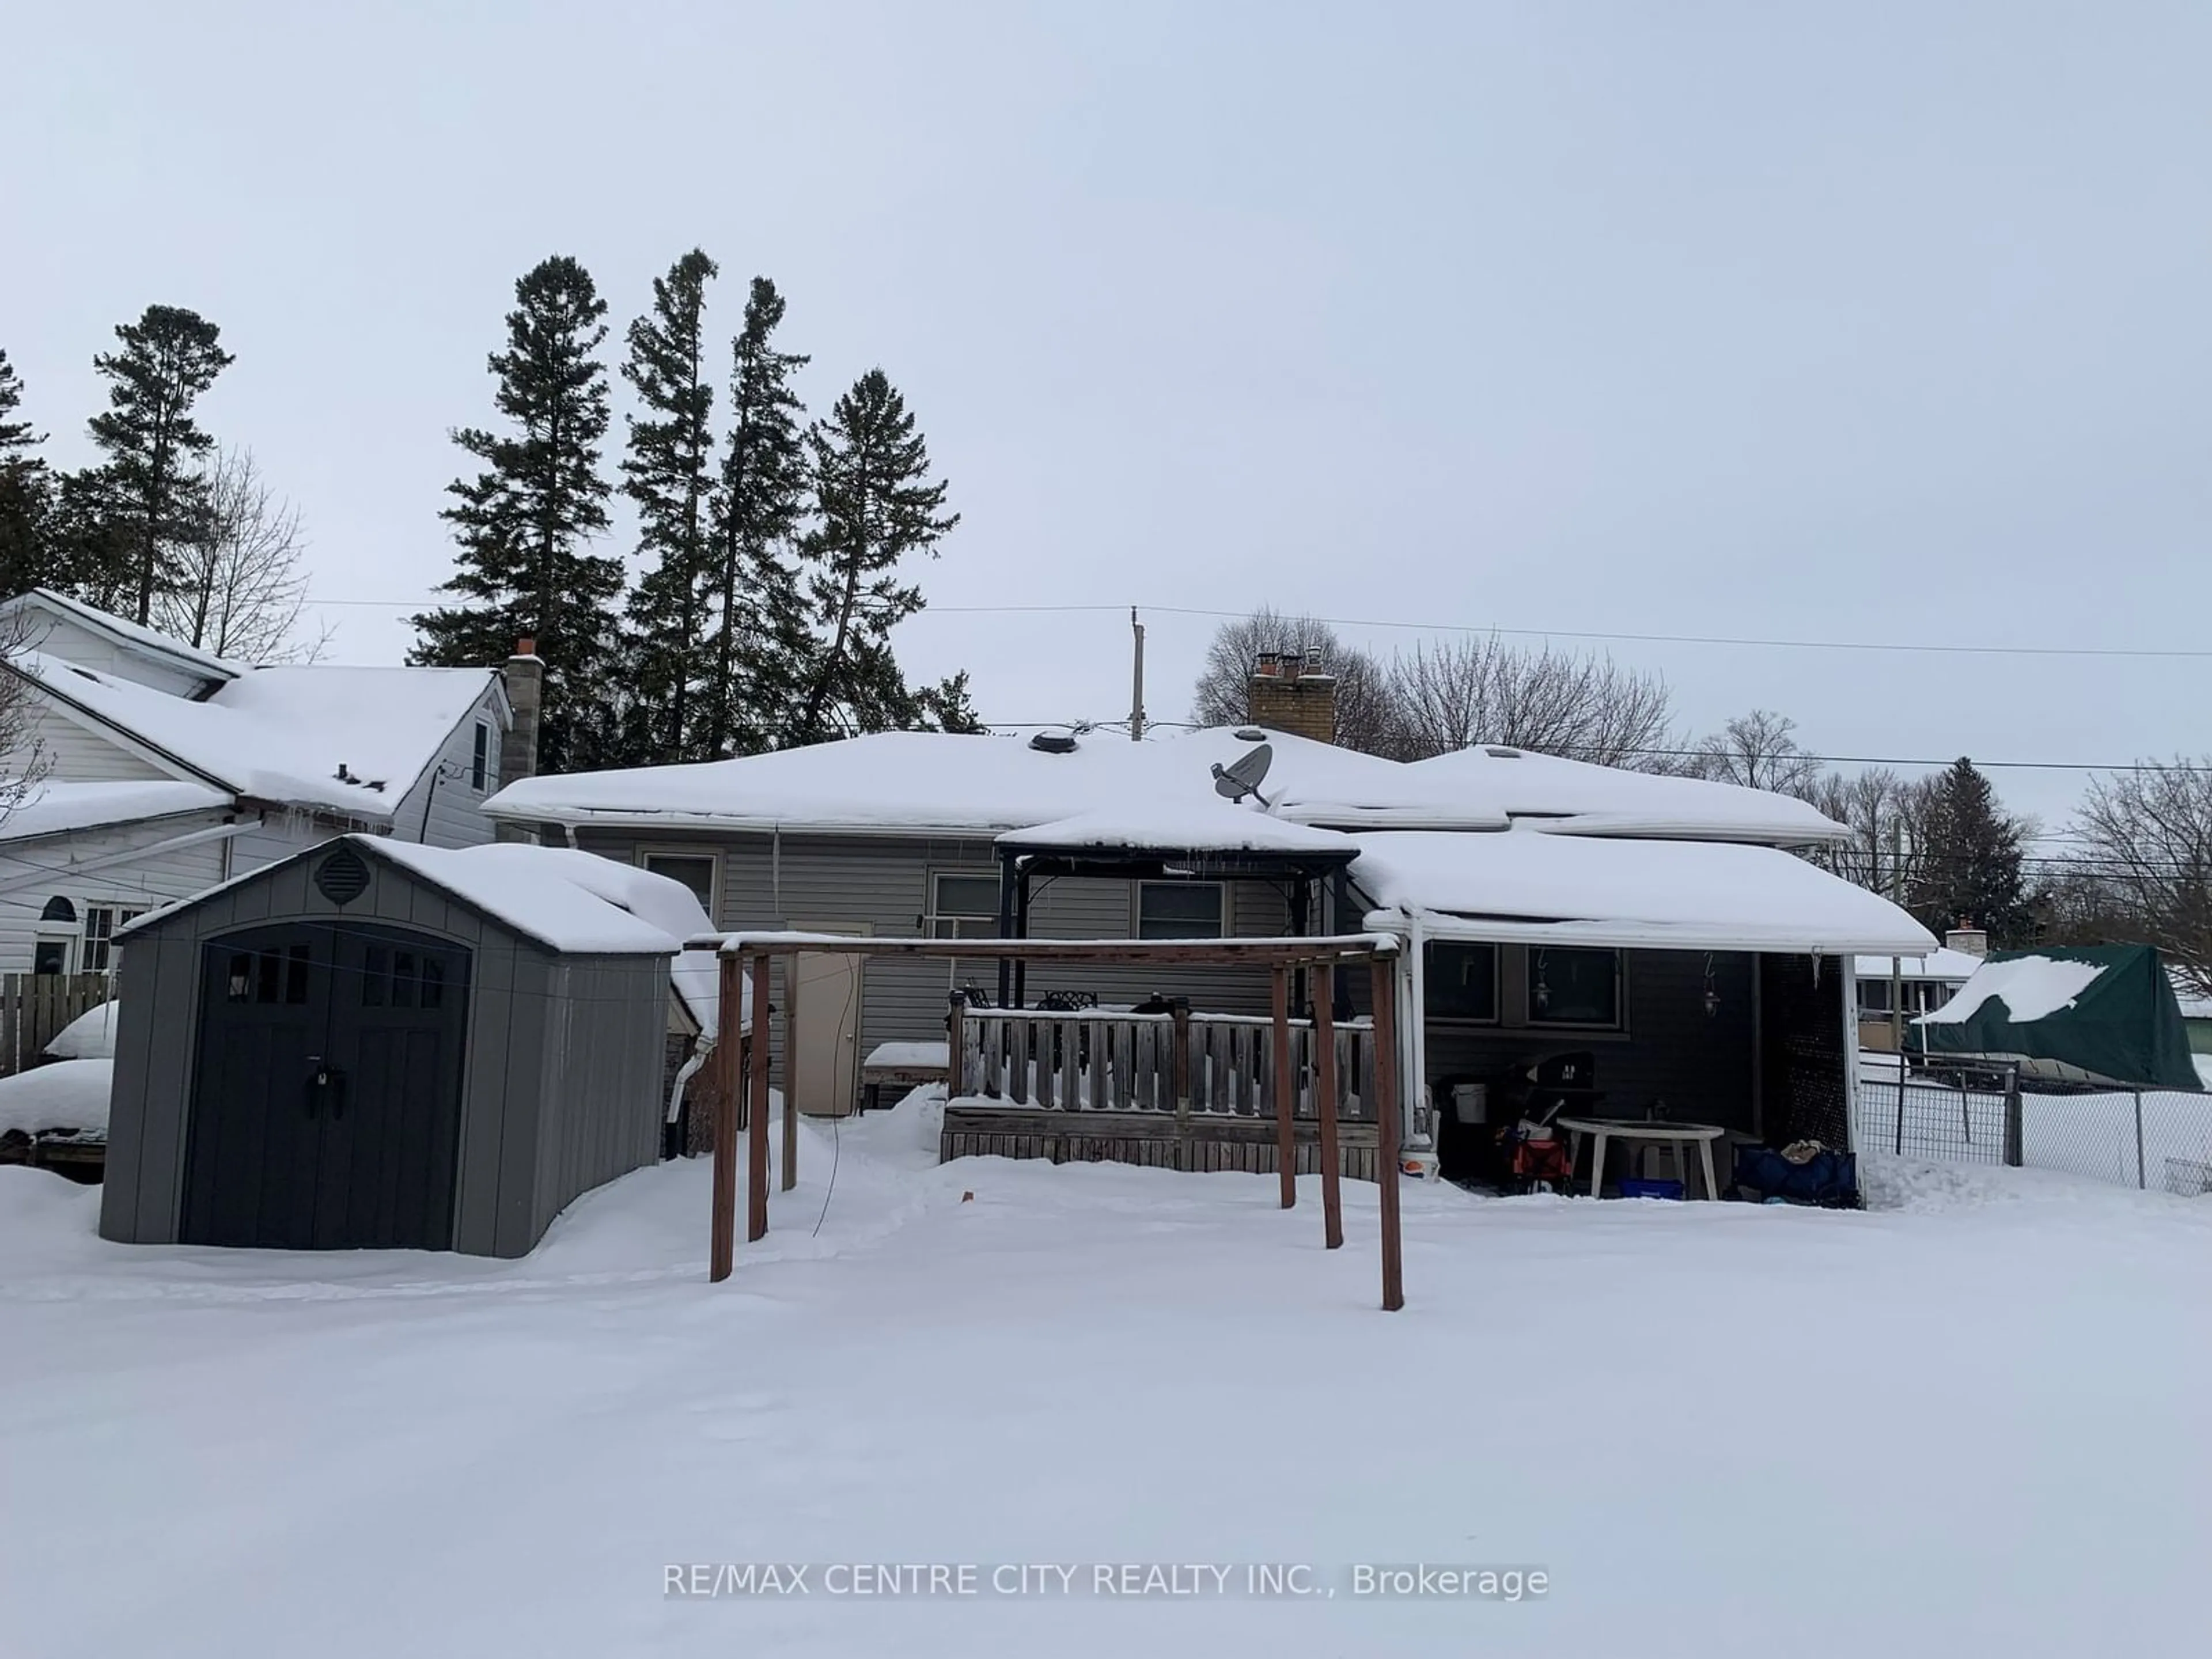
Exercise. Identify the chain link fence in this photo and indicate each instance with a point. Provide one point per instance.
(1970, 1112)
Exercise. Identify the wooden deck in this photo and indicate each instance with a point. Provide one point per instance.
(1202, 1142)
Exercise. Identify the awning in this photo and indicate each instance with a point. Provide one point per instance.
(1523, 886)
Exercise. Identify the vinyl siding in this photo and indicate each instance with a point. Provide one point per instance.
(450, 813)
(46, 869)
(74, 752)
(880, 885)
(54, 634)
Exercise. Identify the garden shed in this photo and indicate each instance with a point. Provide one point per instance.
(374, 1044)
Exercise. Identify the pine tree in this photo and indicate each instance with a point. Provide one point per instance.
(524, 524)
(669, 474)
(26, 495)
(762, 649)
(1970, 859)
(875, 505)
(169, 358)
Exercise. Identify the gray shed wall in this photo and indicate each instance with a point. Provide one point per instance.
(517, 1082)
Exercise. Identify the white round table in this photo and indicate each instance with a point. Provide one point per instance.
(1677, 1135)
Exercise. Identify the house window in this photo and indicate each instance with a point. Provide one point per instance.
(1575, 988)
(1179, 910)
(51, 957)
(963, 906)
(695, 869)
(480, 761)
(1460, 982)
(58, 910)
(101, 923)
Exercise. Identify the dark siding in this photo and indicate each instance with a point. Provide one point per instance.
(526, 1099)
(492, 1014)
(1702, 1066)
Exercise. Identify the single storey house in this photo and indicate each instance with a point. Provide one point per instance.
(161, 770)
(1661, 927)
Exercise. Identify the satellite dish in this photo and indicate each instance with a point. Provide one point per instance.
(1243, 777)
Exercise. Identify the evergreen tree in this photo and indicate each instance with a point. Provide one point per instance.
(762, 648)
(524, 524)
(169, 358)
(1970, 859)
(875, 505)
(669, 474)
(26, 495)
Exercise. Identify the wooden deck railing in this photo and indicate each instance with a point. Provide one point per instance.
(1090, 1060)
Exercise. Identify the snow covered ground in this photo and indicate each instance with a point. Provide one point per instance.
(1970, 1420)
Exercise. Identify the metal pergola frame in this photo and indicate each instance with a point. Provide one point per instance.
(745, 958)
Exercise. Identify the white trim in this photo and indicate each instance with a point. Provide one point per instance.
(1780, 939)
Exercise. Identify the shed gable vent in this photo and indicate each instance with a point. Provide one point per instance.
(343, 876)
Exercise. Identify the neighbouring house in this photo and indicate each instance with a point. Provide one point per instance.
(166, 770)
(1909, 987)
(1659, 927)
(374, 1043)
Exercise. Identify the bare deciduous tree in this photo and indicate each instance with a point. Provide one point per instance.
(22, 758)
(2147, 860)
(1887, 816)
(1759, 751)
(1224, 693)
(242, 584)
(1454, 693)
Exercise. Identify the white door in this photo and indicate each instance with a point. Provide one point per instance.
(825, 1033)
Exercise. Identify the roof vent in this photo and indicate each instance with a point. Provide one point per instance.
(1248, 734)
(1499, 751)
(343, 876)
(1053, 742)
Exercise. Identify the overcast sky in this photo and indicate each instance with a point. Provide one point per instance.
(1848, 323)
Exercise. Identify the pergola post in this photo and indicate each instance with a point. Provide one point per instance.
(756, 1112)
(1332, 1201)
(1385, 981)
(729, 1040)
(1287, 1089)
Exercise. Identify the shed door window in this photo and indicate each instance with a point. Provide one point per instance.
(964, 907)
(1575, 988)
(695, 869)
(1179, 910)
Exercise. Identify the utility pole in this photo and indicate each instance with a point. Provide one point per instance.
(1137, 683)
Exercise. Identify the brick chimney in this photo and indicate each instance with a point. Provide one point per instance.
(1292, 693)
(524, 675)
(1966, 937)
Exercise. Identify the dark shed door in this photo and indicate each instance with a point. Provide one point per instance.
(326, 1103)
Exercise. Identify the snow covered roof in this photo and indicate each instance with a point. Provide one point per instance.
(1951, 967)
(1525, 885)
(924, 782)
(1605, 800)
(2031, 987)
(54, 807)
(280, 734)
(133, 637)
(1194, 826)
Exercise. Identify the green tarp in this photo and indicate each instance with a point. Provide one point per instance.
(2104, 1014)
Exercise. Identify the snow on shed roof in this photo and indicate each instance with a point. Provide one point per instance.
(55, 808)
(280, 734)
(1955, 967)
(897, 782)
(1708, 896)
(1194, 826)
(541, 892)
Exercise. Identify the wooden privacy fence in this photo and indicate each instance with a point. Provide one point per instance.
(1094, 1061)
(34, 1007)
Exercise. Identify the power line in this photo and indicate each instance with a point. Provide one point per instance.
(1595, 635)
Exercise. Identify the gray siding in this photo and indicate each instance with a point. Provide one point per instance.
(444, 808)
(1702, 1066)
(55, 635)
(881, 885)
(562, 1059)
